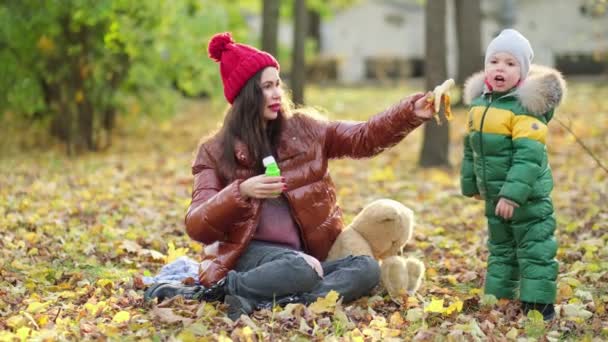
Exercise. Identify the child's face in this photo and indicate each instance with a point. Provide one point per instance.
(502, 71)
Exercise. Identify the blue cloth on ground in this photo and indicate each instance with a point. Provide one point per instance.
(176, 271)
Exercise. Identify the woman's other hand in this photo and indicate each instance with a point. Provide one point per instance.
(422, 109)
(262, 186)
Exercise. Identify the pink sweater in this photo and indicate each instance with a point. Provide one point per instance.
(277, 225)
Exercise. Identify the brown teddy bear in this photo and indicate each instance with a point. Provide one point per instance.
(381, 230)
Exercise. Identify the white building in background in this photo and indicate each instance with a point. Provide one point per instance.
(373, 29)
(376, 29)
(558, 27)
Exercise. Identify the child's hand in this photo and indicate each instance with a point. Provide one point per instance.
(478, 197)
(504, 209)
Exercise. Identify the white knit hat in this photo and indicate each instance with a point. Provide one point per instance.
(514, 43)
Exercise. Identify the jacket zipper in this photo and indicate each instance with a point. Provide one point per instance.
(483, 157)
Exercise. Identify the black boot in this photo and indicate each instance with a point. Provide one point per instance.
(283, 301)
(215, 293)
(547, 310)
(238, 306)
(163, 291)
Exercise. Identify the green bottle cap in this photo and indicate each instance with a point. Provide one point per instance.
(272, 168)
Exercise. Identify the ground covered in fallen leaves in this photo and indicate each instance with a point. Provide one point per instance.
(78, 234)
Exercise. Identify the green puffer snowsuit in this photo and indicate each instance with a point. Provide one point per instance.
(505, 156)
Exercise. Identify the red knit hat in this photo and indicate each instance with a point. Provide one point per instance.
(238, 62)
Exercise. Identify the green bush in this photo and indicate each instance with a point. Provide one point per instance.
(77, 64)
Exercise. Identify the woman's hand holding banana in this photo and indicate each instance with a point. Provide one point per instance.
(440, 92)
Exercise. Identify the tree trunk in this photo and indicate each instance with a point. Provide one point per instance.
(436, 137)
(85, 125)
(298, 67)
(270, 26)
(73, 113)
(314, 28)
(468, 28)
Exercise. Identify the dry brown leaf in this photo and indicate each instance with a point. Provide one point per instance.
(166, 315)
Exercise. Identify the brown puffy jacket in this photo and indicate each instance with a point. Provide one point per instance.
(225, 222)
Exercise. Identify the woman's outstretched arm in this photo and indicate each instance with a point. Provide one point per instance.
(366, 139)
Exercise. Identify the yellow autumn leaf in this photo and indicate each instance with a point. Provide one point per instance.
(387, 332)
(378, 323)
(196, 246)
(475, 291)
(18, 265)
(174, 253)
(247, 334)
(121, 316)
(23, 333)
(31, 237)
(7, 336)
(564, 292)
(512, 334)
(42, 320)
(67, 294)
(36, 307)
(326, 304)
(572, 282)
(207, 310)
(16, 322)
(187, 336)
(396, 320)
(107, 283)
(436, 306)
(373, 334)
(593, 268)
(456, 306)
(222, 338)
(439, 231)
(358, 339)
(95, 308)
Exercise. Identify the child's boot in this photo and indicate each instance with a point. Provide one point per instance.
(547, 310)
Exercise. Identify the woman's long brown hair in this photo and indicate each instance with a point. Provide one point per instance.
(244, 122)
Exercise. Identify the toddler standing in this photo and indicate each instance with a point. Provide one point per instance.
(506, 164)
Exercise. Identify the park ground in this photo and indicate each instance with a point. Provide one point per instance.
(77, 234)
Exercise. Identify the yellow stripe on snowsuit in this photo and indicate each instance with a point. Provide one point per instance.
(529, 127)
(504, 122)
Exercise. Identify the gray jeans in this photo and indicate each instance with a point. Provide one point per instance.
(266, 272)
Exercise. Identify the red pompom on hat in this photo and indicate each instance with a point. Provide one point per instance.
(238, 62)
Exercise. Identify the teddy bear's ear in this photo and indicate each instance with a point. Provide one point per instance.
(386, 224)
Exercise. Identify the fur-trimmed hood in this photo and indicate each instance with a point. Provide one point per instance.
(542, 90)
